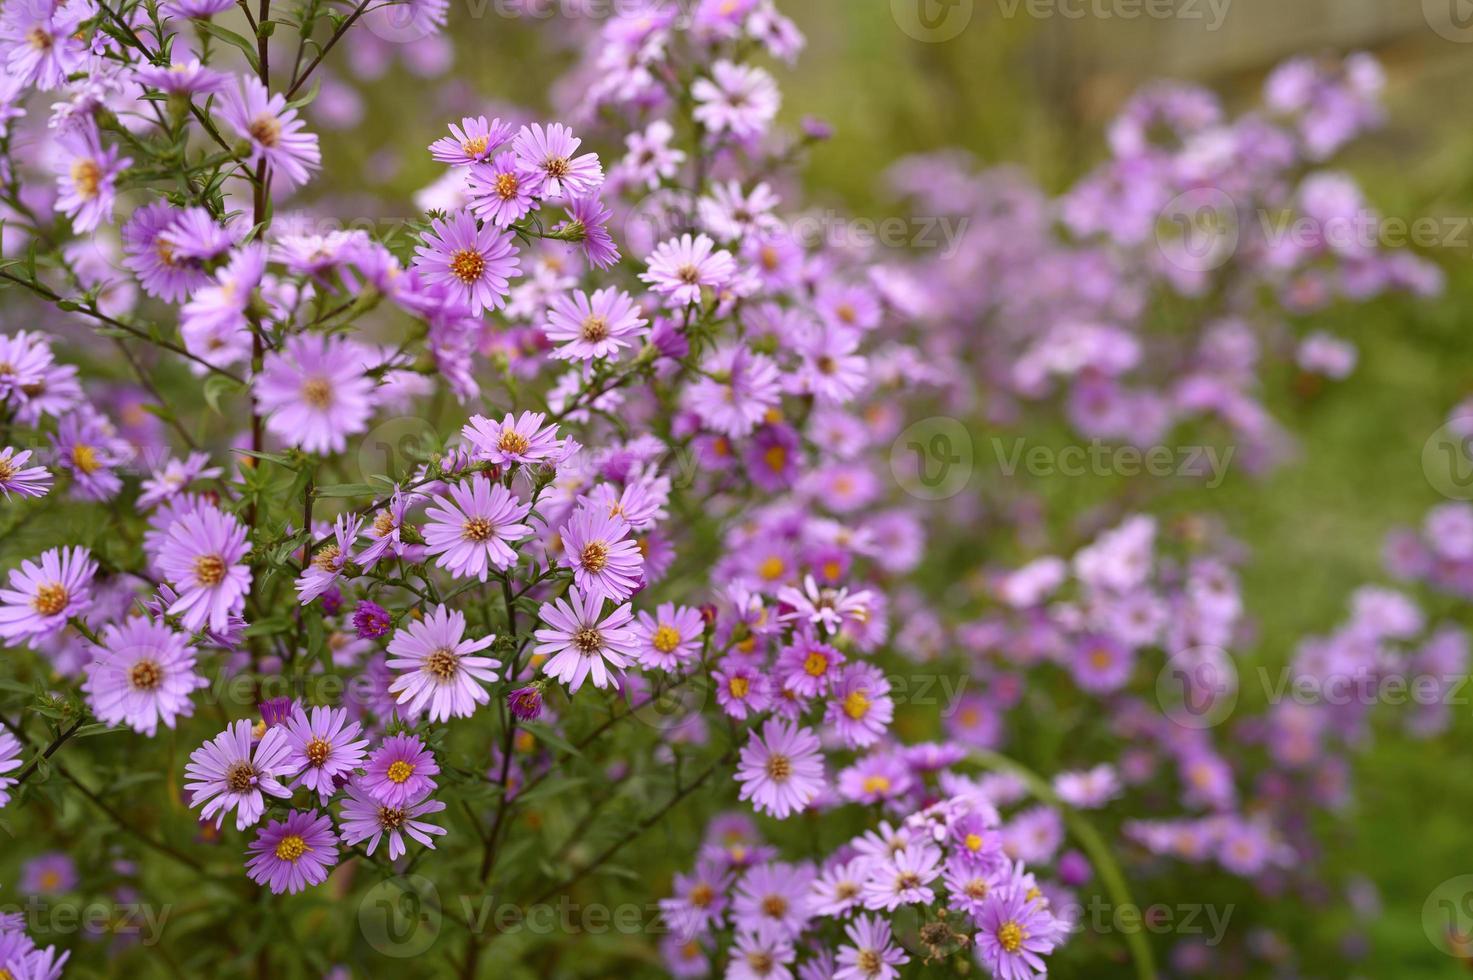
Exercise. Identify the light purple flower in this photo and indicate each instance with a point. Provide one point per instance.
(1015, 933)
(322, 573)
(10, 749)
(669, 639)
(581, 642)
(681, 267)
(325, 748)
(438, 671)
(590, 327)
(738, 99)
(871, 954)
(547, 159)
(143, 674)
(274, 132)
(18, 478)
(473, 141)
(472, 529)
(781, 770)
(475, 263)
(44, 595)
(230, 773)
(500, 192)
(315, 392)
(515, 439)
(86, 184)
(201, 556)
(400, 770)
(365, 818)
(605, 560)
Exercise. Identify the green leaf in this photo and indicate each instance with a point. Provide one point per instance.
(348, 490)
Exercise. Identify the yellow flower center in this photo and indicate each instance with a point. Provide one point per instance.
(776, 457)
(507, 186)
(86, 177)
(209, 570)
(815, 663)
(442, 663)
(856, 704)
(779, 768)
(50, 599)
(145, 675)
(318, 750)
(772, 568)
(240, 777)
(595, 328)
(266, 130)
(739, 687)
(326, 558)
(974, 842)
(666, 638)
(474, 146)
(317, 392)
(588, 641)
(513, 443)
(595, 556)
(467, 265)
(291, 848)
(84, 458)
(400, 771)
(478, 529)
(876, 784)
(1010, 936)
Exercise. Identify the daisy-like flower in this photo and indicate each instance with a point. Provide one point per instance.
(475, 263)
(365, 818)
(18, 478)
(774, 899)
(42, 41)
(327, 565)
(230, 773)
(89, 449)
(274, 132)
(588, 228)
(681, 267)
(1016, 932)
(737, 99)
(669, 638)
(473, 141)
(837, 890)
(581, 642)
(699, 899)
(760, 957)
(182, 78)
(742, 687)
(315, 392)
(592, 327)
(9, 762)
(399, 771)
(860, 708)
(201, 555)
(547, 159)
(1088, 789)
(86, 186)
(500, 192)
(37, 964)
(174, 477)
(44, 595)
(904, 878)
(143, 674)
(781, 770)
(871, 955)
(806, 666)
(651, 158)
(213, 323)
(515, 439)
(325, 748)
(439, 673)
(289, 855)
(736, 390)
(472, 529)
(605, 560)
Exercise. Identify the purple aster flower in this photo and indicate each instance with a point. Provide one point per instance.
(86, 186)
(315, 393)
(472, 529)
(201, 557)
(175, 477)
(876, 778)
(669, 639)
(757, 957)
(1088, 789)
(475, 263)
(592, 327)
(89, 449)
(837, 890)
(651, 159)
(978, 844)
(807, 665)
(735, 391)
(364, 818)
(473, 141)
(18, 478)
(42, 41)
(371, 620)
(699, 900)
(515, 439)
(289, 855)
(499, 192)
(871, 954)
(681, 267)
(213, 323)
(438, 672)
(182, 78)
(399, 771)
(143, 674)
(774, 900)
(737, 99)
(1101, 664)
(588, 228)
(153, 258)
(274, 132)
(48, 874)
(781, 770)
(232, 772)
(547, 160)
(383, 533)
(606, 562)
(36, 964)
(581, 641)
(1015, 933)
(742, 687)
(9, 762)
(903, 878)
(325, 748)
(526, 702)
(43, 596)
(322, 573)
(860, 707)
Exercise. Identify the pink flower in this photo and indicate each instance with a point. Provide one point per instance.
(581, 642)
(473, 529)
(315, 393)
(781, 770)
